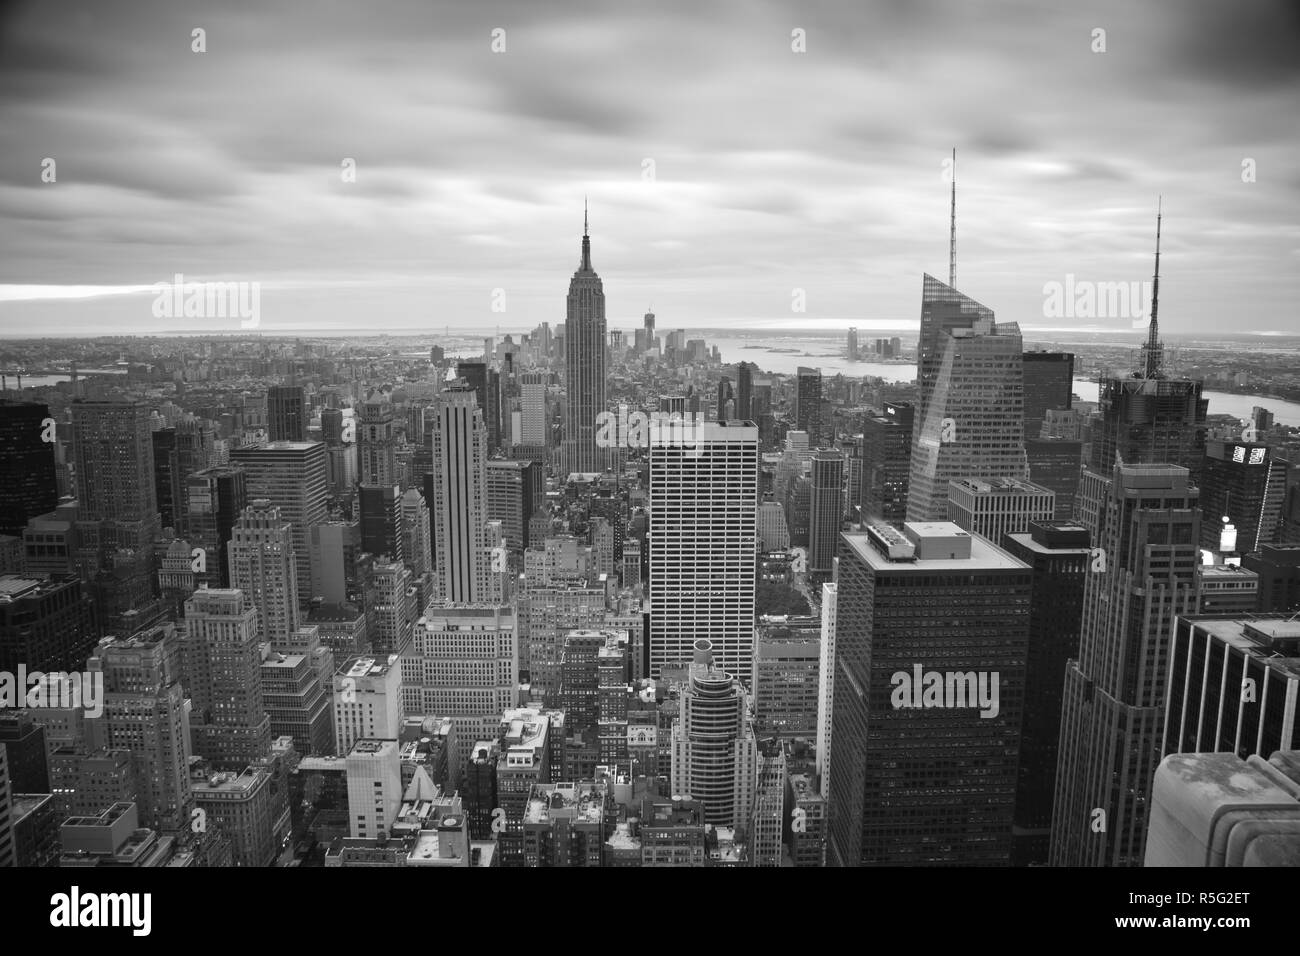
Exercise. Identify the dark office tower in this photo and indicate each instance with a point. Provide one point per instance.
(579, 665)
(1055, 463)
(1232, 685)
(1049, 383)
(726, 408)
(1235, 486)
(1278, 567)
(744, 390)
(493, 409)
(286, 413)
(808, 404)
(1148, 417)
(166, 475)
(459, 507)
(291, 476)
(1147, 527)
(215, 498)
(331, 426)
(194, 451)
(850, 446)
(481, 788)
(28, 486)
(117, 515)
(25, 742)
(511, 493)
(223, 677)
(931, 635)
(887, 463)
(584, 364)
(613, 508)
(942, 308)
(851, 350)
(377, 439)
(1058, 553)
(486, 384)
(380, 508)
(650, 329)
(825, 509)
(46, 624)
(145, 713)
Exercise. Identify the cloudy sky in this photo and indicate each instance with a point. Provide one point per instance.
(724, 169)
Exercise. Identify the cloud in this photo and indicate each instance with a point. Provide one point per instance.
(772, 169)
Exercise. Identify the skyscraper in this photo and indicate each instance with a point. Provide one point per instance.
(1049, 383)
(460, 498)
(825, 509)
(1059, 554)
(942, 308)
(223, 678)
(377, 439)
(214, 499)
(714, 751)
(745, 391)
(1236, 485)
(1142, 576)
(929, 684)
(46, 624)
(510, 496)
(703, 534)
(117, 513)
(291, 476)
(1229, 683)
(286, 413)
(826, 686)
(145, 713)
(887, 462)
(463, 663)
(584, 364)
(1148, 415)
(264, 566)
(971, 415)
(532, 410)
(28, 486)
(808, 403)
(486, 385)
(380, 520)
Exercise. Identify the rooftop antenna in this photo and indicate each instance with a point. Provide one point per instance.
(1153, 349)
(952, 229)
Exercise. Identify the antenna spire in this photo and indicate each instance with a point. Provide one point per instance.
(586, 241)
(952, 230)
(1153, 347)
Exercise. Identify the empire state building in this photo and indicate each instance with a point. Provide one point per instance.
(584, 371)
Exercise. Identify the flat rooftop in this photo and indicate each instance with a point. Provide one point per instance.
(984, 556)
(1233, 632)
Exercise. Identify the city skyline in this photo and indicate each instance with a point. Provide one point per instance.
(757, 565)
(715, 224)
